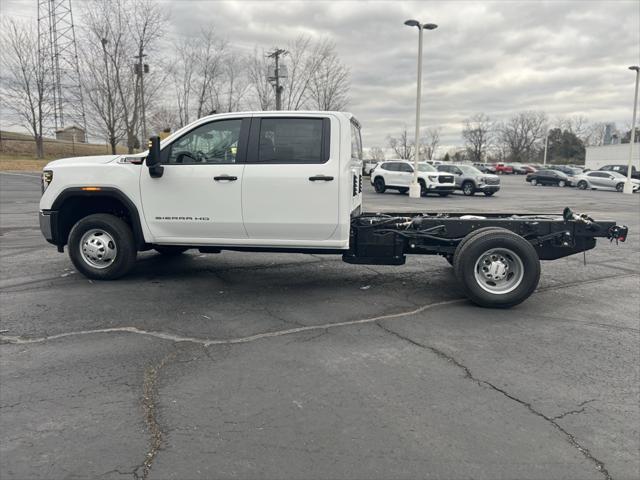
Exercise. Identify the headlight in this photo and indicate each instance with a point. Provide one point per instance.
(46, 179)
(432, 178)
(480, 179)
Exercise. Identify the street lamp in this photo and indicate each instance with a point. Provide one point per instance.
(628, 186)
(414, 188)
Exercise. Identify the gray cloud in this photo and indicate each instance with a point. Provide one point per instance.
(497, 57)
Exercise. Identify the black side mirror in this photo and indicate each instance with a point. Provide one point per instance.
(153, 159)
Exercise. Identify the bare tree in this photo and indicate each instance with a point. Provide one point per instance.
(329, 88)
(429, 143)
(25, 79)
(126, 29)
(478, 136)
(258, 72)
(576, 124)
(596, 133)
(376, 154)
(402, 146)
(521, 133)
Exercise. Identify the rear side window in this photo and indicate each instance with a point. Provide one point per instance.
(356, 143)
(390, 166)
(291, 140)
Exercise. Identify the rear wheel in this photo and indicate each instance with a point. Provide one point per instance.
(497, 268)
(102, 247)
(562, 183)
(620, 187)
(468, 188)
(534, 182)
(582, 185)
(170, 250)
(379, 185)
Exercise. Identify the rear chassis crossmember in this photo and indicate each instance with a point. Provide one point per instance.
(386, 238)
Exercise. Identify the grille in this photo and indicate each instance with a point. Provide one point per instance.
(492, 181)
(445, 179)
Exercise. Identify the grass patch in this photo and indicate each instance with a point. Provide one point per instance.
(22, 163)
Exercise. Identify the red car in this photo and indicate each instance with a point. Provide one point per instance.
(503, 168)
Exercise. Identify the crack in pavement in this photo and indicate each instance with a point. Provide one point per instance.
(599, 465)
(150, 407)
(573, 412)
(19, 340)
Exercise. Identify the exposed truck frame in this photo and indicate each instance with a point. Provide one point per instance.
(495, 256)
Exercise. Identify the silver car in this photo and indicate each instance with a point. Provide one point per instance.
(599, 180)
(471, 180)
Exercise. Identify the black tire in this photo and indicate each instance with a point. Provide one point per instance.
(443, 194)
(488, 194)
(379, 185)
(474, 249)
(534, 182)
(582, 185)
(620, 187)
(468, 188)
(170, 250)
(469, 237)
(121, 241)
(562, 183)
(403, 190)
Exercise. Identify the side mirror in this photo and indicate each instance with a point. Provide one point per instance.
(153, 159)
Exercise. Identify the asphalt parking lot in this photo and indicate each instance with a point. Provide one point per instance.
(244, 365)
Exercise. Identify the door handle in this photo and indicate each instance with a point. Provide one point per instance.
(321, 178)
(225, 177)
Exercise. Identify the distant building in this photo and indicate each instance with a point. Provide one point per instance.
(614, 154)
(71, 134)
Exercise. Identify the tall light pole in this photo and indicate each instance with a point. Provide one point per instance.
(414, 188)
(546, 145)
(628, 186)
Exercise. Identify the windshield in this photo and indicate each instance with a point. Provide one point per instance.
(469, 170)
(425, 167)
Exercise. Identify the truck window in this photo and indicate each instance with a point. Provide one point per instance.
(291, 140)
(215, 142)
(356, 143)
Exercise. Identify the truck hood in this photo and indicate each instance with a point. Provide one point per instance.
(489, 176)
(90, 160)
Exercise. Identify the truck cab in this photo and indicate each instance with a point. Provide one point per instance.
(268, 179)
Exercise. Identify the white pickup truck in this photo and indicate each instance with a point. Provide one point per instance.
(286, 182)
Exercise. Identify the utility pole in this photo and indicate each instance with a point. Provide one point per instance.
(546, 145)
(276, 77)
(140, 69)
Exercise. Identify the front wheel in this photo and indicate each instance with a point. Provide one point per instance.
(102, 247)
(534, 182)
(468, 188)
(379, 185)
(562, 183)
(582, 185)
(497, 268)
(620, 187)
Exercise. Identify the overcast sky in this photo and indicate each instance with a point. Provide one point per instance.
(499, 57)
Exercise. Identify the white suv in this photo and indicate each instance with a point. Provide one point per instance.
(398, 175)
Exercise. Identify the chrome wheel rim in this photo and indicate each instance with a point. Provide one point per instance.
(98, 248)
(499, 271)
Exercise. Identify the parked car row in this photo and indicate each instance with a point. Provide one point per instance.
(440, 179)
(594, 180)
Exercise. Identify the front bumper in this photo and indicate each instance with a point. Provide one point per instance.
(48, 222)
(488, 188)
(434, 187)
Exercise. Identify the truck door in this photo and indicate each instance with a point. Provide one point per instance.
(197, 199)
(290, 186)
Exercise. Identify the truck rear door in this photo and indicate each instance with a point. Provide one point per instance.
(290, 186)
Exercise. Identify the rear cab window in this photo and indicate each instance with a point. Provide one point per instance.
(290, 140)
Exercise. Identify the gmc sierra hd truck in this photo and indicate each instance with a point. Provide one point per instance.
(284, 182)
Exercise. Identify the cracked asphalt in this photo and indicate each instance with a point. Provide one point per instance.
(243, 365)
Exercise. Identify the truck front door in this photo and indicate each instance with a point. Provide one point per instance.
(198, 199)
(290, 186)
